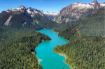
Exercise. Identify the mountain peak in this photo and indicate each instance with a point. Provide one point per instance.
(21, 7)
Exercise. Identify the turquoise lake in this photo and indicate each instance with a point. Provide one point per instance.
(45, 51)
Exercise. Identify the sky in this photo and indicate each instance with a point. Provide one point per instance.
(51, 6)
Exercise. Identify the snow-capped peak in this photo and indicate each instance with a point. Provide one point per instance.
(82, 5)
(21, 7)
(91, 5)
(31, 10)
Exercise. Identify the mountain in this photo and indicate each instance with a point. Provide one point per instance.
(51, 16)
(72, 13)
(91, 25)
(87, 19)
(24, 17)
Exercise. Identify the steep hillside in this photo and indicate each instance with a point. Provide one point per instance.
(93, 25)
(17, 48)
(24, 17)
(86, 49)
(72, 13)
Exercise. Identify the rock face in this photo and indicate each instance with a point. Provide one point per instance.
(23, 17)
(73, 12)
(8, 21)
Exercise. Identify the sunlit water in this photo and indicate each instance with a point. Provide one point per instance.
(45, 51)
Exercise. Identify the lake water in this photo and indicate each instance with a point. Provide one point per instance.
(45, 51)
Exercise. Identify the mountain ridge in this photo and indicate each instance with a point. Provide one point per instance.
(22, 16)
(74, 11)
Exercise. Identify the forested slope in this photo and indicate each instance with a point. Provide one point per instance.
(17, 48)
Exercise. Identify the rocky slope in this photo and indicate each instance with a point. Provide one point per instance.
(87, 19)
(91, 25)
(74, 12)
(24, 17)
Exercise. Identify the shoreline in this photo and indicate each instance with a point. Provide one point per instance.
(65, 57)
(39, 60)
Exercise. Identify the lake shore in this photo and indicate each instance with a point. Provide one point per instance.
(65, 57)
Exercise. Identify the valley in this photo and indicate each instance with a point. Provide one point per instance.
(72, 39)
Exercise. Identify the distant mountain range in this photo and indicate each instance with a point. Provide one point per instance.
(24, 17)
(31, 17)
